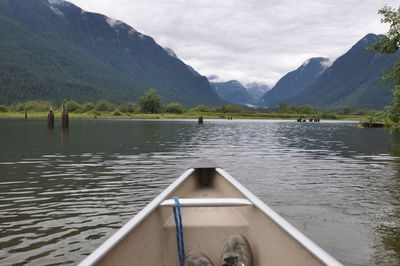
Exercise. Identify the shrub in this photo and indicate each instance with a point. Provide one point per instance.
(377, 116)
(3, 109)
(363, 111)
(150, 102)
(393, 111)
(104, 106)
(327, 114)
(86, 107)
(201, 108)
(174, 108)
(230, 108)
(129, 107)
(37, 106)
(346, 110)
(71, 105)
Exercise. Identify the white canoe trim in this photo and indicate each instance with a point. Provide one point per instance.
(282, 223)
(208, 202)
(110, 243)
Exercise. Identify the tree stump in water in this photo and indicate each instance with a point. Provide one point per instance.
(200, 121)
(64, 119)
(50, 120)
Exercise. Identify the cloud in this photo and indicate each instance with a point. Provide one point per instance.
(252, 40)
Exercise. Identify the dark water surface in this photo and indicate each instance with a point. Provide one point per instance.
(64, 193)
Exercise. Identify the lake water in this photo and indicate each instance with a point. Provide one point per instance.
(63, 193)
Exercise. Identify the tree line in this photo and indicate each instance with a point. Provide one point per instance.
(152, 103)
(390, 43)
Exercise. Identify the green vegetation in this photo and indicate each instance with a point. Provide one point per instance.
(390, 43)
(174, 108)
(72, 106)
(304, 109)
(150, 106)
(86, 107)
(129, 108)
(150, 102)
(3, 108)
(105, 106)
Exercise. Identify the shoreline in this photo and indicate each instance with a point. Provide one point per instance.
(105, 115)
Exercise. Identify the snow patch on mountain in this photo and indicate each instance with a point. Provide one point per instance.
(257, 89)
(326, 62)
(56, 11)
(113, 22)
(58, 3)
(306, 62)
(170, 52)
(53, 4)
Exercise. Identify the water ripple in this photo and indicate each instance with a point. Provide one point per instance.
(64, 194)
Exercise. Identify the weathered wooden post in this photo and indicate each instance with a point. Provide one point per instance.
(50, 119)
(200, 121)
(26, 112)
(64, 118)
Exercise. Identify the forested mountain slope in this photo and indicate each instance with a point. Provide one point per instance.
(53, 50)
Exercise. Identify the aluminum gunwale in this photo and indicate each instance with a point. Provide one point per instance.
(208, 202)
(110, 243)
(282, 223)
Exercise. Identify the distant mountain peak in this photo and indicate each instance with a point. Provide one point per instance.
(368, 40)
(354, 79)
(233, 91)
(370, 36)
(235, 82)
(296, 81)
(257, 89)
(326, 62)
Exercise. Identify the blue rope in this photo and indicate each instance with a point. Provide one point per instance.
(180, 244)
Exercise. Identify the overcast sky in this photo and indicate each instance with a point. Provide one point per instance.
(248, 40)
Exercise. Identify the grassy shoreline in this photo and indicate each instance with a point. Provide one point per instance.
(188, 115)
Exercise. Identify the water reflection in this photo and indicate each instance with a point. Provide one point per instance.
(64, 193)
(388, 251)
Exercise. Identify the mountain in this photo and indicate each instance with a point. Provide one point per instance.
(354, 79)
(257, 90)
(234, 92)
(295, 81)
(51, 49)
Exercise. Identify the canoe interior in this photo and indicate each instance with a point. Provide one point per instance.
(153, 241)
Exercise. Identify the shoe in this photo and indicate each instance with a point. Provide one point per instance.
(197, 259)
(236, 252)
